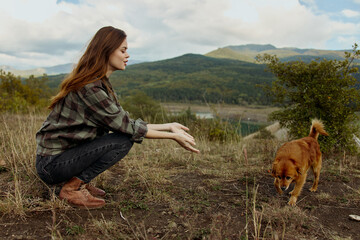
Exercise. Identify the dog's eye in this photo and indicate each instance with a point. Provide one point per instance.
(288, 178)
(279, 177)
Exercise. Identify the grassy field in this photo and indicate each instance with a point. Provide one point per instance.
(160, 191)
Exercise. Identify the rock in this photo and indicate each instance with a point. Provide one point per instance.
(354, 217)
(2, 163)
(172, 225)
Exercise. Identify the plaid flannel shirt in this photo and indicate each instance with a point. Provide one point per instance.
(84, 115)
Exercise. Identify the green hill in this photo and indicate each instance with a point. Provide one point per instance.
(195, 78)
(192, 77)
(250, 51)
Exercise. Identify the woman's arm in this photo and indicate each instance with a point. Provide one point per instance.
(184, 139)
(159, 127)
(172, 127)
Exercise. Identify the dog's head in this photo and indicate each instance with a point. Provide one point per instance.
(285, 171)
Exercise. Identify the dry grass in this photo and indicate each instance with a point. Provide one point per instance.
(160, 191)
(17, 151)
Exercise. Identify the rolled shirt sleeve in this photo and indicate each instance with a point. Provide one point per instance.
(103, 110)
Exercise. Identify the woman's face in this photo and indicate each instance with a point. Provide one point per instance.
(119, 58)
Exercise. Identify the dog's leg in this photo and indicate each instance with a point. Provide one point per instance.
(277, 186)
(297, 189)
(316, 170)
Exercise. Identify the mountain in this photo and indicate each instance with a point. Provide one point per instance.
(63, 68)
(199, 78)
(194, 77)
(23, 73)
(250, 51)
(54, 70)
(58, 69)
(246, 53)
(253, 47)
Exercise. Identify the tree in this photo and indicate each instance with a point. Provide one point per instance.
(16, 96)
(38, 89)
(142, 106)
(323, 89)
(12, 93)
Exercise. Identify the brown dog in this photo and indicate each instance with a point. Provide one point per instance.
(293, 160)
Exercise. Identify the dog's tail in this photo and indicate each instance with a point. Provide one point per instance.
(317, 128)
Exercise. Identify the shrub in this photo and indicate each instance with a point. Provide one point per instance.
(18, 96)
(320, 89)
(140, 105)
(264, 134)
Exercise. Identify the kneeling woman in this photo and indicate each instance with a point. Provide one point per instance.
(87, 131)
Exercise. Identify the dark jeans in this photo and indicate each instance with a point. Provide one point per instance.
(85, 161)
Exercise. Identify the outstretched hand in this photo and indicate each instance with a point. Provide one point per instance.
(183, 138)
(174, 127)
(175, 131)
(186, 141)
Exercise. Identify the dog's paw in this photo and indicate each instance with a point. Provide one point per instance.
(280, 192)
(292, 201)
(313, 189)
(278, 189)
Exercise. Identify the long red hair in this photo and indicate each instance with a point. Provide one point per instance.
(94, 62)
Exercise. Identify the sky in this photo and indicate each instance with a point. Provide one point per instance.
(43, 33)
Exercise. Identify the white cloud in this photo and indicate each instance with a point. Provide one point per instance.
(350, 13)
(44, 33)
(31, 11)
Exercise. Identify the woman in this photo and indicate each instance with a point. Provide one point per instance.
(87, 131)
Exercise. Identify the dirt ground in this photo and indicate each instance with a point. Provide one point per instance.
(215, 212)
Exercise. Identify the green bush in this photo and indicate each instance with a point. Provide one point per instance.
(140, 105)
(264, 134)
(222, 131)
(323, 89)
(17, 95)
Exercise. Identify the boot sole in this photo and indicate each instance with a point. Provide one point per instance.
(81, 206)
(86, 207)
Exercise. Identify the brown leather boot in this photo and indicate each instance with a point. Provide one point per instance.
(75, 193)
(96, 192)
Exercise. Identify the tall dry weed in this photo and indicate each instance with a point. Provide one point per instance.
(17, 150)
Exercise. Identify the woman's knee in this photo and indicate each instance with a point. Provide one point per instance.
(123, 142)
(40, 165)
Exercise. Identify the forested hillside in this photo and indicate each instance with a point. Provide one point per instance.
(194, 78)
